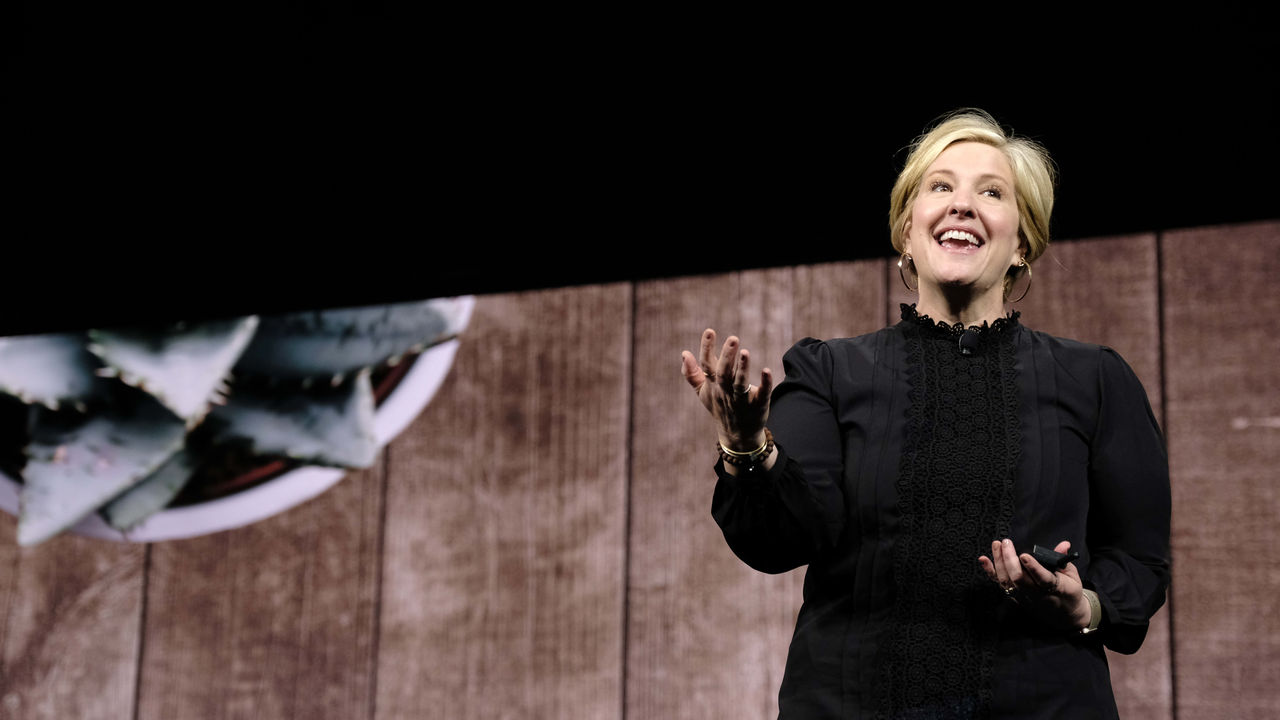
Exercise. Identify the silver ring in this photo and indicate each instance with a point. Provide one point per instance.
(743, 391)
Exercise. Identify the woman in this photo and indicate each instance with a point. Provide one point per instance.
(915, 468)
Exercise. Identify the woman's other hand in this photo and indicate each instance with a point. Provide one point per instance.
(739, 408)
(1056, 596)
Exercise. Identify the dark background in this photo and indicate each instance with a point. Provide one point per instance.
(176, 164)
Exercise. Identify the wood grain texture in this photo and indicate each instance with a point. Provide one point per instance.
(70, 626)
(504, 562)
(1105, 291)
(707, 635)
(1222, 327)
(273, 620)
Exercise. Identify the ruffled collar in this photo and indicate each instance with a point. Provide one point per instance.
(1001, 327)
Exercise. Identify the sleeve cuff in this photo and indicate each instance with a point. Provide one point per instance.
(756, 477)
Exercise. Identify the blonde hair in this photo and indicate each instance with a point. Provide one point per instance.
(1033, 170)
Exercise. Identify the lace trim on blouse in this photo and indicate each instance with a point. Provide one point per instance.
(987, 332)
(955, 495)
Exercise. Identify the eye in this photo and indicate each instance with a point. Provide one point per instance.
(994, 192)
(938, 186)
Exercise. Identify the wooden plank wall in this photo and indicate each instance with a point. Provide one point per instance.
(538, 544)
(505, 561)
(1222, 338)
(276, 619)
(71, 611)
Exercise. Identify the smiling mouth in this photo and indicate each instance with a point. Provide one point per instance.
(959, 240)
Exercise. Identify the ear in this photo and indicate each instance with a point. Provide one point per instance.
(1021, 251)
(906, 236)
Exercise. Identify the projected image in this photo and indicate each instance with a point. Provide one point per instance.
(150, 433)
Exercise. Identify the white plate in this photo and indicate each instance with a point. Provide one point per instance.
(392, 416)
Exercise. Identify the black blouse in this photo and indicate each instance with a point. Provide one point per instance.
(902, 454)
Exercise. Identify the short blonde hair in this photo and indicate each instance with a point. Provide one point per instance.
(1033, 170)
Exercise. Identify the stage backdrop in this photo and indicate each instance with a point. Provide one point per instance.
(538, 544)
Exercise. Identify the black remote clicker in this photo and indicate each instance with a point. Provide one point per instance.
(1051, 559)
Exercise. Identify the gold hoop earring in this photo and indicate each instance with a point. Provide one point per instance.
(1022, 263)
(902, 273)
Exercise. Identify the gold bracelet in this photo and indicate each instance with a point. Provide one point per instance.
(749, 453)
(747, 459)
(1095, 612)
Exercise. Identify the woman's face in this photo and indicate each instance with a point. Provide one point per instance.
(963, 230)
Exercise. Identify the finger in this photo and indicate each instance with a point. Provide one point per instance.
(997, 564)
(987, 567)
(765, 391)
(1009, 560)
(724, 366)
(741, 373)
(1070, 570)
(704, 352)
(1037, 573)
(689, 368)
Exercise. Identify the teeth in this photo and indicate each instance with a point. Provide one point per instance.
(960, 235)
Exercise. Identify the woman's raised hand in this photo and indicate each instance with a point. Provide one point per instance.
(739, 408)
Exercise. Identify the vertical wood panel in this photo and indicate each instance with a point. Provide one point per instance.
(504, 561)
(69, 628)
(1105, 291)
(271, 620)
(707, 635)
(838, 300)
(1222, 327)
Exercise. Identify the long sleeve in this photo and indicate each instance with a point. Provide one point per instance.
(1129, 507)
(781, 519)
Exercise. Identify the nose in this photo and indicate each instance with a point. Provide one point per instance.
(960, 204)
